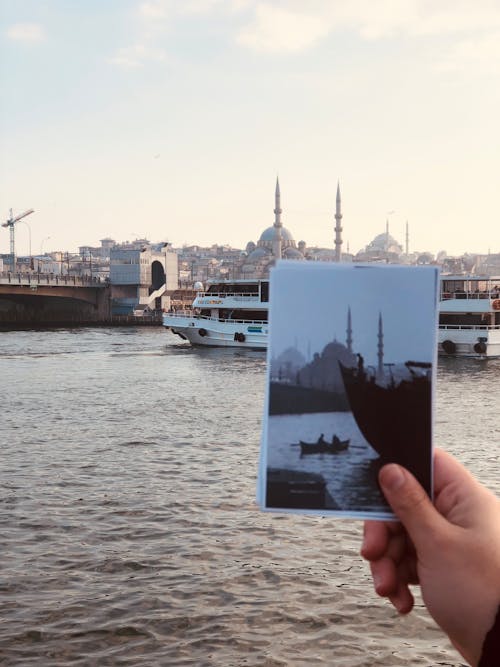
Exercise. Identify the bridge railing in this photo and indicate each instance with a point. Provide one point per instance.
(34, 279)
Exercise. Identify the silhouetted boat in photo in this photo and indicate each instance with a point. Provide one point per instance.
(323, 447)
(394, 417)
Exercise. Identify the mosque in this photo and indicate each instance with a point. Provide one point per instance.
(277, 242)
(383, 248)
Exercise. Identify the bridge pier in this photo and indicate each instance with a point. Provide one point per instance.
(43, 310)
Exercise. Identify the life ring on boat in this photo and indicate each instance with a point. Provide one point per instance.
(240, 337)
(202, 332)
(449, 346)
(496, 304)
(480, 348)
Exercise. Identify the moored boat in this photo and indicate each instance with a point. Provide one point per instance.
(228, 314)
(235, 314)
(469, 316)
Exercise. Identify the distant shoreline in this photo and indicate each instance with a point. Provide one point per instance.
(285, 399)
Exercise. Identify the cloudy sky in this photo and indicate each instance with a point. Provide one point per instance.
(170, 119)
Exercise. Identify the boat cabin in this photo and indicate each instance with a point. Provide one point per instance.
(237, 301)
(469, 301)
(259, 288)
(469, 287)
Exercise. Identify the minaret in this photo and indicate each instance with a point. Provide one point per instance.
(407, 243)
(277, 222)
(338, 227)
(348, 340)
(380, 348)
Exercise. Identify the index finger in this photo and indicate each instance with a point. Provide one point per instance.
(376, 537)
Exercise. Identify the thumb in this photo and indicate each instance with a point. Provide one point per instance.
(411, 504)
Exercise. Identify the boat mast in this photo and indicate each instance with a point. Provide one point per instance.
(380, 348)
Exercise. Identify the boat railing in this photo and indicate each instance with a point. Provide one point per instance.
(469, 327)
(181, 312)
(238, 296)
(208, 318)
(446, 296)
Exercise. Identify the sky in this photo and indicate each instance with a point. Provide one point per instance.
(404, 297)
(171, 119)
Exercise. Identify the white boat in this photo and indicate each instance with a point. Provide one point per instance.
(228, 314)
(235, 314)
(469, 316)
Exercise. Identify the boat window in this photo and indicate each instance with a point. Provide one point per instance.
(463, 319)
(215, 289)
(264, 292)
(242, 288)
(234, 288)
(248, 315)
(452, 286)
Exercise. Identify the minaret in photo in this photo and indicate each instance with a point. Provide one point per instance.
(338, 226)
(349, 331)
(277, 222)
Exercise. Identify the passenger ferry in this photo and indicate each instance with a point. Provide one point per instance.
(235, 314)
(469, 316)
(227, 314)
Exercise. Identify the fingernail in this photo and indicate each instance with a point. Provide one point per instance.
(392, 477)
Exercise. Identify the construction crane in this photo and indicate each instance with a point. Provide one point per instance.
(10, 224)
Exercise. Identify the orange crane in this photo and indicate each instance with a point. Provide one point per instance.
(10, 224)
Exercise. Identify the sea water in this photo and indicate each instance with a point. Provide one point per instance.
(130, 535)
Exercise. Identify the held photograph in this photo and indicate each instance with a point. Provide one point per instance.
(350, 379)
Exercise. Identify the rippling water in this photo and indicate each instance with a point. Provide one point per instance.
(129, 530)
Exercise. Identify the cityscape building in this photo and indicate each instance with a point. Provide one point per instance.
(195, 263)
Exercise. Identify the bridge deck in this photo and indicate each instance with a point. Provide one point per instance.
(35, 279)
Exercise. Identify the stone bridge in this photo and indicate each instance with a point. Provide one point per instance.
(39, 298)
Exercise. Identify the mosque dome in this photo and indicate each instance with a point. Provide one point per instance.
(384, 243)
(269, 234)
(292, 253)
(258, 253)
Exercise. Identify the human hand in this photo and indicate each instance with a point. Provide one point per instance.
(451, 548)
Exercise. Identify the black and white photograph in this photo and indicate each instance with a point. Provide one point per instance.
(350, 382)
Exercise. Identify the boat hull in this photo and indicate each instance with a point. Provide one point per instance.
(469, 342)
(395, 420)
(213, 333)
